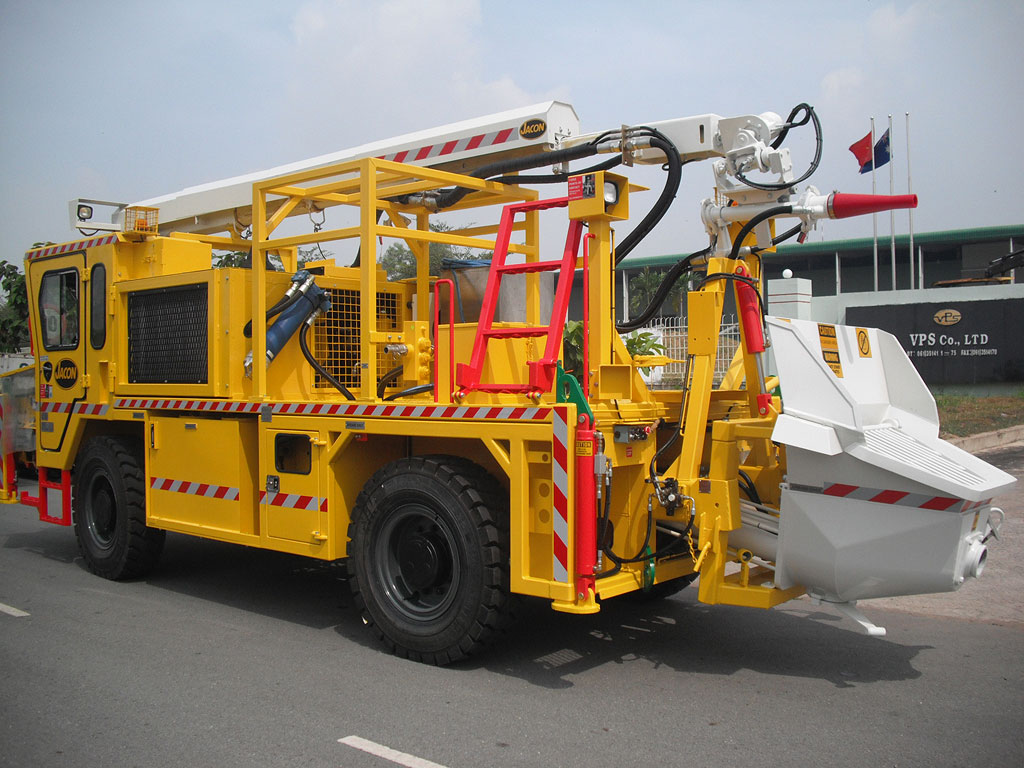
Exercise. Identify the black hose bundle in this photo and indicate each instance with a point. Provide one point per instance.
(279, 306)
(304, 346)
(664, 289)
(809, 115)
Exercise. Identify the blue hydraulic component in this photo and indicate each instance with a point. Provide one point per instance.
(310, 298)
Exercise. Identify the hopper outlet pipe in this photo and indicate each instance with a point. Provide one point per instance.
(975, 555)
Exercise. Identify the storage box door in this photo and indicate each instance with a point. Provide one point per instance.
(293, 504)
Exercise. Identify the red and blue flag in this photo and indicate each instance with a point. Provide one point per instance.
(862, 151)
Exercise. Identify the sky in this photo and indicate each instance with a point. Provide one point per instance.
(131, 100)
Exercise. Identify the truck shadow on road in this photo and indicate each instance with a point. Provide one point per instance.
(543, 647)
(547, 649)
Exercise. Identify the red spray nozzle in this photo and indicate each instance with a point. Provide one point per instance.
(842, 205)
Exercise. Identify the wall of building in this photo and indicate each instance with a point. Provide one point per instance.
(961, 337)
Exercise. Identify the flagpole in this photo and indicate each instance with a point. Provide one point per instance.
(892, 213)
(910, 191)
(874, 216)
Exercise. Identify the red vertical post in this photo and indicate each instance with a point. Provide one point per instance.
(586, 510)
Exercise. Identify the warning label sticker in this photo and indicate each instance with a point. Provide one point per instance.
(582, 187)
(584, 447)
(830, 348)
(863, 342)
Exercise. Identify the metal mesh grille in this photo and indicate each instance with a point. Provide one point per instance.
(167, 335)
(671, 332)
(336, 340)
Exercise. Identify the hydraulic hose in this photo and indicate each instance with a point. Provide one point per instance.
(304, 346)
(450, 197)
(747, 228)
(748, 487)
(279, 306)
(387, 378)
(419, 389)
(809, 114)
(664, 201)
(555, 178)
(664, 289)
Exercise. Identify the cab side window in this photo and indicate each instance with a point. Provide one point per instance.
(97, 307)
(59, 309)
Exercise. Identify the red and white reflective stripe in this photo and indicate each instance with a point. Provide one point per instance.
(413, 411)
(82, 409)
(560, 479)
(80, 245)
(212, 406)
(208, 490)
(91, 409)
(449, 147)
(508, 413)
(294, 501)
(54, 407)
(901, 498)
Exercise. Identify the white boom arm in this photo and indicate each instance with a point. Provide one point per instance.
(221, 205)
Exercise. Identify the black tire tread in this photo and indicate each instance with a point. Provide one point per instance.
(144, 544)
(488, 506)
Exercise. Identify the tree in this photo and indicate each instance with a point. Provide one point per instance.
(242, 258)
(398, 261)
(14, 312)
(644, 285)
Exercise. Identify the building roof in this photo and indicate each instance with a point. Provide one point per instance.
(949, 237)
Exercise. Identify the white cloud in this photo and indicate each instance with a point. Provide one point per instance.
(372, 70)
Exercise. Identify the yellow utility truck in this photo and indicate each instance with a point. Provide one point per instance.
(450, 459)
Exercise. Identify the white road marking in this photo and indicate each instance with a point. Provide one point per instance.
(400, 758)
(11, 611)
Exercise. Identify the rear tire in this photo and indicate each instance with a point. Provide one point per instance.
(429, 558)
(110, 510)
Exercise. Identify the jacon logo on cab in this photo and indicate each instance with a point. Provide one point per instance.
(947, 317)
(533, 129)
(66, 374)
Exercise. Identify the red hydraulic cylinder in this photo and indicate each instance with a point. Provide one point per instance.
(750, 313)
(753, 331)
(586, 510)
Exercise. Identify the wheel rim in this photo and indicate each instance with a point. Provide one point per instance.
(102, 517)
(418, 563)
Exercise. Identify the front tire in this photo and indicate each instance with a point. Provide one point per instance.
(429, 558)
(110, 510)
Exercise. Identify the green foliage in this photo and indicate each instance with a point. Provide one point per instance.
(241, 258)
(572, 349)
(643, 343)
(637, 343)
(400, 264)
(14, 312)
(644, 285)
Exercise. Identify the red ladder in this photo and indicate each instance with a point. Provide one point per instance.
(542, 371)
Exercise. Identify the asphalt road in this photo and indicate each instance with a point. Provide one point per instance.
(228, 656)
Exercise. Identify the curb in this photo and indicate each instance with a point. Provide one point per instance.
(985, 440)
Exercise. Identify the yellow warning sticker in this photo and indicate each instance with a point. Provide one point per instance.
(830, 348)
(584, 447)
(863, 342)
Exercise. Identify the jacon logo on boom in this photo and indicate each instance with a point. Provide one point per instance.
(533, 129)
(66, 374)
